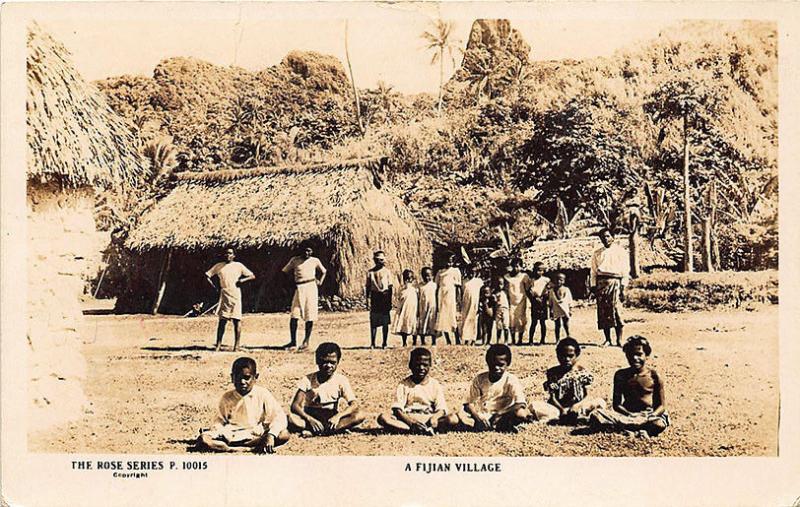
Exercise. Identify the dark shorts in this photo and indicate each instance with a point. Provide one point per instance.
(378, 319)
(539, 309)
(320, 414)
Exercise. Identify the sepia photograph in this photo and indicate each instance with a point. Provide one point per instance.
(414, 231)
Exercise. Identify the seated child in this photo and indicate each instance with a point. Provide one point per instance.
(496, 398)
(315, 407)
(249, 418)
(568, 386)
(638, 395)
(419, 406)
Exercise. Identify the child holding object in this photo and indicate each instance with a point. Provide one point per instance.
(638, 395)
(405, 322)
(249, 418)
(568, 388)
(427, 306)
(315, 407)
(496, 398)
(419, 406)
(560, 300)
(501, 316)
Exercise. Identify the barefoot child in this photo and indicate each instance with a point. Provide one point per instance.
(638, 395)
(501, 318)
(560, 300)
(249, 417)
(405, 322)
(568, 388)
(427, 307)
(538, 296)
(315, 407)
(419, 406)
(448, 281)
(485, 315)
(379, 297)
(496, 398)
(518, 287)
(470, 300)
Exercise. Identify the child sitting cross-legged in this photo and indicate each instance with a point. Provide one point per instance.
(315, 407)
(638, 395)
(568, 388)
(496, 398)
(249, 418)
(419, 406)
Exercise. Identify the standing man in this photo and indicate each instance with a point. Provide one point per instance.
(308, 274)
(609, 276)
(231, 275)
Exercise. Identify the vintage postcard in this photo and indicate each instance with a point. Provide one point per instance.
(399, 253)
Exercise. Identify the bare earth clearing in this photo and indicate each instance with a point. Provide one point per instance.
(154, 381)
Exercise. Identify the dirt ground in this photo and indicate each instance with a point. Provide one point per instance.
(154, 381)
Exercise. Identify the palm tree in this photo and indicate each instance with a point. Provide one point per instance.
(356, 98)
(385, 95)
(439, 40)
(163, 157)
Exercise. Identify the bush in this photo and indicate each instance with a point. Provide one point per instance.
(676, 292)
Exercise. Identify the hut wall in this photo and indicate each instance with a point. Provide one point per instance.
(61, 249)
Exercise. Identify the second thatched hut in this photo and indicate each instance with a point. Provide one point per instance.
(264, 214)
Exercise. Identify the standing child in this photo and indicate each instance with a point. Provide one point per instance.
(501, 319)
(518, 284)
(638, 395)
(568, 388)
(315, 407)
(538, 295)
(448, 280)
(496, 398)
(406, 319)
(469, 306)
(427, 306)
(419, 405)
(379, 296)
(485, 315)
(249, 418)
(560, 299)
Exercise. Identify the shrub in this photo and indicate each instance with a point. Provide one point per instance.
(676, 292)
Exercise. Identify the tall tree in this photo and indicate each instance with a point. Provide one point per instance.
(440, 40)
(353, 83)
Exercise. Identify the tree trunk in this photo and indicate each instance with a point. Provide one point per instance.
(687, 206)
(353, 83)
(441, 79)
(633, 251)
(162, 281)
(707, 264)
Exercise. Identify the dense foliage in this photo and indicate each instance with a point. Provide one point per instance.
(589, 134)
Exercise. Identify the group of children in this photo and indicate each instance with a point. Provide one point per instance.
(431, 309)
(324, 403)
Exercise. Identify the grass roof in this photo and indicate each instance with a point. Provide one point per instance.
(274, 206)
(576, 253)
(73, 135)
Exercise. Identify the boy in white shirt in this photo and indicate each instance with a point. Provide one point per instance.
(249, 418)
(496, 398)
(419, 406)
(315, 407)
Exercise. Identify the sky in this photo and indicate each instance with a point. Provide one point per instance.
(384, 40)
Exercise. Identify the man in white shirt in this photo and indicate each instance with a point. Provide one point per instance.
(231, 275)
(308, 274)
(609, 276)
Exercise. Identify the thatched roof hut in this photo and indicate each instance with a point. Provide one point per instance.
(75, 142)
(74, 137)
(265, 213)
(573, 257)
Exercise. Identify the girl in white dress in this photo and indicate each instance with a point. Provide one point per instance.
(469, 306)
(405, 322)
(560, 299)
(449, 282)
(427, 307)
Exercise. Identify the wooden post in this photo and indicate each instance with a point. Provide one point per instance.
(162, 280)
(687, 207)
(633, 252)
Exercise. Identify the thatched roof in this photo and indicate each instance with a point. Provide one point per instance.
(576, 253)
(73, 135)
(274, 206)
